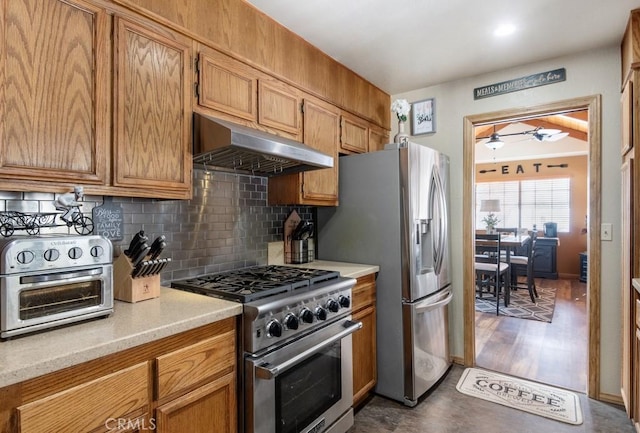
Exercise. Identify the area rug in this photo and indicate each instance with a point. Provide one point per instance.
(532, 397)
(520, 305)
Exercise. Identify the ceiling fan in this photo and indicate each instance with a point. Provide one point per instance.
(539, 134)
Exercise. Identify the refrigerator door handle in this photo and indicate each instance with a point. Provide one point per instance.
(439, 240)
(427, 305)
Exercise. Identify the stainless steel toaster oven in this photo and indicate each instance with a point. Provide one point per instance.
(52, 281)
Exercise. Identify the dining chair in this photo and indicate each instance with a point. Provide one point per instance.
(522, 265)
(491, 272)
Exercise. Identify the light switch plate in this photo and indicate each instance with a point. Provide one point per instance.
(605, 231)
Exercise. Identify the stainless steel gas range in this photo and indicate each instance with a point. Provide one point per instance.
(296, 344)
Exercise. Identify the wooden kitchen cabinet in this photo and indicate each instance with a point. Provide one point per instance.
(184, 382)
(237, 92)
(321, 131)
(378, 138)
(280, 107)
(354, 134)
(152, 134)
(55, 62)
(364, 340)
(122, 395)
(211, 406)
(227, 86)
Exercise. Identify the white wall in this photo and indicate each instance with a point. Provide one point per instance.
(588, 73)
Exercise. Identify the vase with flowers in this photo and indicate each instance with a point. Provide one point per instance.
(401, 107)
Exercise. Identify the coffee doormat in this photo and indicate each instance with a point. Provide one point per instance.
(521, 394)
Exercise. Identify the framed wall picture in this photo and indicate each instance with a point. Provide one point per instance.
(423, 117)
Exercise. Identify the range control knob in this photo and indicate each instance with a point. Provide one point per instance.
(51, 255)
(333, 306)
(274, 329)
(291, 321)
(321, 313)
(306, 315)
(75, 253)
(344, 301)
(25, 257)
(96, 251)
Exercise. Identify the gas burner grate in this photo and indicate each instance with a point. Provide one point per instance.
(248, 284)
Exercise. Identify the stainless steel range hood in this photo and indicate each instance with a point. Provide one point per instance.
(218, 143)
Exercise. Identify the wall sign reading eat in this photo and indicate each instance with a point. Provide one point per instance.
(522, 169)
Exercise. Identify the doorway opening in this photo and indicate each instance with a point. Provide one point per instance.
(591, 105)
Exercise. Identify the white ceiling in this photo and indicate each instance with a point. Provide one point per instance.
(407, 45)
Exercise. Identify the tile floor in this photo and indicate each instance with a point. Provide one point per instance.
(445, 410)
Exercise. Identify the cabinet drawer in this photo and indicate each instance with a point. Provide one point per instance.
(364, 293)
(186, 367)
(88, 406)
(637, 312)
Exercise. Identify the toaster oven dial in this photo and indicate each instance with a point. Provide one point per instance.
(51, 255)
(96, 251)
(75, 253)
(25, 257)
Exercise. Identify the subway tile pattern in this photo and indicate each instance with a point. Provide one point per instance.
(226, 225)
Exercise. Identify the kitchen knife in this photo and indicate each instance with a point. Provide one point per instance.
(142, 243)
(150, 267)
(141, 255)
(157, 246)
(163, 264)
(135, 242)
(137, 271)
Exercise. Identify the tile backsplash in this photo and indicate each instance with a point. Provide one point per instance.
(226, 225)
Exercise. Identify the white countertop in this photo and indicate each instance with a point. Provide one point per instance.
(352, 270)
(130, 325)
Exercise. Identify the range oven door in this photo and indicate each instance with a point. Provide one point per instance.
(305, 386)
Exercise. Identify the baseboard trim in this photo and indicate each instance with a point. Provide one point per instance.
(611, 398)
(457, 360)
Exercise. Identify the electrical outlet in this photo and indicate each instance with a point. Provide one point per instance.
(605, 232)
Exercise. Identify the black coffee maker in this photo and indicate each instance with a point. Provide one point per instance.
(550, 230)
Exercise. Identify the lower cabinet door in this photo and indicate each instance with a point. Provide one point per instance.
(364, 354)
(209, 408)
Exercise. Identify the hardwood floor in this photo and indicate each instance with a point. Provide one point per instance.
(553, 353)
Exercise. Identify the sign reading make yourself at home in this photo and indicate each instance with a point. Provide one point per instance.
(535, 80)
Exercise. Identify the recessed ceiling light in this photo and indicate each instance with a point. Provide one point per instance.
(504, 30)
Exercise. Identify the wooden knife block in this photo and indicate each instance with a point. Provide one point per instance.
(130, 289)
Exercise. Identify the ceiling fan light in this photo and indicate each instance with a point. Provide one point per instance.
(494, 142)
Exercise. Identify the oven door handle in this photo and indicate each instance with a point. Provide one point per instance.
(60, 276)
(266, 371)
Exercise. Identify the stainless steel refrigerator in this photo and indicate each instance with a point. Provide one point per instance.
(393, 212)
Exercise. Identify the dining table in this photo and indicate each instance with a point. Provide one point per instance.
(510, 242)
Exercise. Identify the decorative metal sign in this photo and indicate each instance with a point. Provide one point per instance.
(535, 80)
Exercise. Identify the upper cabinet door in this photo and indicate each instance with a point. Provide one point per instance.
(152, 109)
(354, 134)
(321, 131)
(54, 67)
(227, 85)
(279, 107)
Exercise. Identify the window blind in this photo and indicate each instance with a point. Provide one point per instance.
(527, 202)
